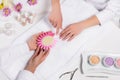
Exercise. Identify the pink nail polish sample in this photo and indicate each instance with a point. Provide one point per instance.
(46, 40)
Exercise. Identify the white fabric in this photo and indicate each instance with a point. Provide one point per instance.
(3, 76)
(62, 52)
(26, 75)
(10, 56)
(99, 4)
(108, 9)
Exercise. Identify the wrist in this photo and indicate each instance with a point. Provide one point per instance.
(30, 68)
(54, 2)
(82, 25)
(92, 21)
(55, 6)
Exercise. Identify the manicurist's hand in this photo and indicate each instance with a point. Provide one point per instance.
(32, 42)
(38, 57)
(55, 16)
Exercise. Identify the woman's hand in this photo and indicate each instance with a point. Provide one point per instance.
(55, 17)
(32, 42)
(71, 31)
(38, 57)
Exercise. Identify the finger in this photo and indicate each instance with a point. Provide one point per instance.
(57, 30)
(36, 53)
(35, 45)
(64, 31)
(71, 38)
(59, 26)
(67, 36)
(45, 55)
(37, 50)
(51, 21)
(55, 24)
(41, 53)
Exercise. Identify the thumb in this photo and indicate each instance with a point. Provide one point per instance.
(35, 53)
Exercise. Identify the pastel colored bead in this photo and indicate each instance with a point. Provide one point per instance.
(108, 61)
(46, 40)
(117, 64)
(94, 60)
